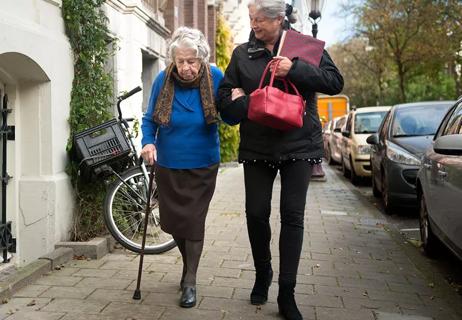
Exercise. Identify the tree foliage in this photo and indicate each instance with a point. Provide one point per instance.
(403, 50)
(229, 136)
(91, 100)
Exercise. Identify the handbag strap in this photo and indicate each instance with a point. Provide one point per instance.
(273, 75)
(266, 71)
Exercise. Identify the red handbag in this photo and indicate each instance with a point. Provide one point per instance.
(275, 108)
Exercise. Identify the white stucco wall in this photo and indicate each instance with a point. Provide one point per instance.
(137, 29)
(37, 69)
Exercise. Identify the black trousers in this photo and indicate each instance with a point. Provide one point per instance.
(259, 179)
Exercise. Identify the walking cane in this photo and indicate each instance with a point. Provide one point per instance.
(137, 293)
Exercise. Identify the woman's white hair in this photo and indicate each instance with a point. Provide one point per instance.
(274, 9)
(188, 38)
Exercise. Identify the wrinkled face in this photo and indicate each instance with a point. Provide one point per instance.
(266, 29)
(186, 62)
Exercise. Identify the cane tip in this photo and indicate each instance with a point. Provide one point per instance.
(137, 295)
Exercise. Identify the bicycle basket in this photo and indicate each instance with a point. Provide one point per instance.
(103, 144)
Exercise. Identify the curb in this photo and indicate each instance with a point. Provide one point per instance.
(64, 252)
(96, 248)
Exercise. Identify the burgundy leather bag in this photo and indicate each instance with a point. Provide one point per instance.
(275, 108)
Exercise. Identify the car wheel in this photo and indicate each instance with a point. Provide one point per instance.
(430, 242)
(386, 196)
(345, 171)
(353, 177)
(375, 190)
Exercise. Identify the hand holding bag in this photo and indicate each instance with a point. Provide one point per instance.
(275, 108)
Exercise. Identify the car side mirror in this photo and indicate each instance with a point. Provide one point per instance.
(373, 139)
(337, 130)
(450, 145)
(346, 133)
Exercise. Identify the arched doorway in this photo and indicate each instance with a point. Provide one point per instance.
(27, 89)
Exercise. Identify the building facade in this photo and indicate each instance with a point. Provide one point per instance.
(36, 73)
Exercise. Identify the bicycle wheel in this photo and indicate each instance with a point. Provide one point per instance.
(124, 214)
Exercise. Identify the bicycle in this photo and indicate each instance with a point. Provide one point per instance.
(126, 197)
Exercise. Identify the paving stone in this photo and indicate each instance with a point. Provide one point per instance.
(97, 273)
(75, 306)
(343, 314)
(104, 283)
(67, 292)
(35, 315)
(52, 280)
(135, 311)
(32, 290)
(22, 304)
(395, 316)
(181, 313)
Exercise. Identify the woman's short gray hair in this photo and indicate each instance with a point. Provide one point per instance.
(185, 37)
(270, 8)
(274, 9)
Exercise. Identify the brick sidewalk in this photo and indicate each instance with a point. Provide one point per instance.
(351, 268)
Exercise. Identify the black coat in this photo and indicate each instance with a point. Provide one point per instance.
(244, 71)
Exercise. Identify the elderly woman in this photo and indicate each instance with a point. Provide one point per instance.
(180, 136)
(265, 151)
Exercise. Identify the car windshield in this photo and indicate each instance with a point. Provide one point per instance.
(368, 122)
(418, 120)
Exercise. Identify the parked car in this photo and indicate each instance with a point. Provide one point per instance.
(360, 124)
(333, 144)
(397, 148)
(327, 131)
(439, 187)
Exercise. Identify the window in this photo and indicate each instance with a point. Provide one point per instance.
(149, 72)
(348, 124)
(418, 120)
(454, 124)
(368, 122)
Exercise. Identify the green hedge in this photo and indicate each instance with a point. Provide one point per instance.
(229, 136)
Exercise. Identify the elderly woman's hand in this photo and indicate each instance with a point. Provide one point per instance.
(236, 93)
(149, 153)
(284, 66)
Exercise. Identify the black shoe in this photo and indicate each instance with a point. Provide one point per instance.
(286, 304)
(259, 293)
(188, 297)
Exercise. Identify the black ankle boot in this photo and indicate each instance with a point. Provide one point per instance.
(259, 293)
(188, 297)
(286, 303)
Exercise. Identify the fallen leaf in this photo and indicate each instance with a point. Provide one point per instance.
(32, 303)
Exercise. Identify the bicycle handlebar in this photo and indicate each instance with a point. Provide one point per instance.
(125, 96)
(129, 94)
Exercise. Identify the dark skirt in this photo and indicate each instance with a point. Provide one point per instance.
(184, 198)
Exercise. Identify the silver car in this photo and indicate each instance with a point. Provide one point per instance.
(333, 145)
(439, 186)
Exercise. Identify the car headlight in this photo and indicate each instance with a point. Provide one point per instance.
(363, 149)
(397, 154)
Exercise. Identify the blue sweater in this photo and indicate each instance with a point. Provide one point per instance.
(188, 142)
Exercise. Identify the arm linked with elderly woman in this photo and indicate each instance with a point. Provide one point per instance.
(266, 152)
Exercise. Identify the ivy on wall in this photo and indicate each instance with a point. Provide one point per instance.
(91, 101)
(229, 136)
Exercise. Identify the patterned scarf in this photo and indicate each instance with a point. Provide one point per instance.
(203, 80)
